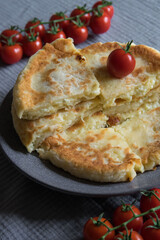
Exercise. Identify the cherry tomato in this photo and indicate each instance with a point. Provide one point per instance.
(100, 24)
(120, 62)
(85, 18)
(93, 232)
(79, 34)
(134, 235)
(60, 15)
(150, 233)
(39, 29)
(11, 54)
(108, 9)
(123, 214)
(50, 37)
(10, 32)
(0, 48)
(31, 47)
(147, 203)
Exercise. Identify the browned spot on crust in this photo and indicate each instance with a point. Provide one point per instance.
(103, 60)
(143, 78)
(126, 151)
(99, 113)
(134, 146)
(95, 137)
(129, 80)
(155, 110)
(113, 138)
(138, 71)
(119, 101)
(67, 67)
(90, 139)
(73, 81)
(150, 150)
(78, 109)
(113, 120)
(83, 155)
(80, 58)
(76, 125)
(101, 134)
(55, 61)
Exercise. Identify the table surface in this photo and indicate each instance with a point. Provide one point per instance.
(27, 209)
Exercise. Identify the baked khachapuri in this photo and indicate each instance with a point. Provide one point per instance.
(70, 109)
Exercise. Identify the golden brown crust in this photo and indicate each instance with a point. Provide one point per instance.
(147, 53)
(113, 120)
(45, 85)
(30, 131)
(29, 96)
(137, 84)
(22, 89)
(99, 154)
(143, 51)
(83, 155)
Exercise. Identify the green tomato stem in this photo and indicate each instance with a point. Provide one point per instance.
(104, 3)
(152, 210)
(128, 46)
(9, 40)
(69, 18)
(153, 193)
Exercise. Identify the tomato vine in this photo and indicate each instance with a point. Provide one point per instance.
(124, 224)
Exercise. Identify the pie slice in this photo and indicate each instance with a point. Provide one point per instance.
(33, 132)
(90, 151)
(117, 92)
(118, 114)
(55, 77)
(142, 133)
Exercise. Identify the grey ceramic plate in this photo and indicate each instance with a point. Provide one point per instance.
(55, 178)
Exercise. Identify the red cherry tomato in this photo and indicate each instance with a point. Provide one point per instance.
(108, 9)
(10, 32)
(79, 34)
(60, 15)
(11, 54)
(120, 62)
(94, 232)
(147, 203)
(50, 37)
(85, 18)
(150, 233)
(123, 214)
(100, 24)
(39, 29)
(0, 48)
(31, 47)
(134, 235)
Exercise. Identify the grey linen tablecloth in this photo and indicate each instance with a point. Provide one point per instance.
(27, 209)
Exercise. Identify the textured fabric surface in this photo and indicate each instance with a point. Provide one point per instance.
(29, 210)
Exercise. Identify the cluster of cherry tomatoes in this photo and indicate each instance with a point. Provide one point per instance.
(13, 45)
(140, 228)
